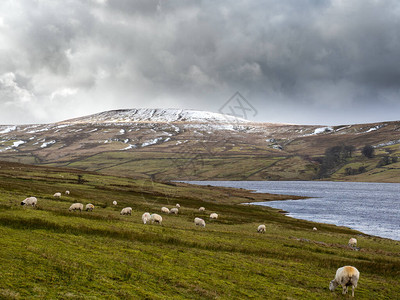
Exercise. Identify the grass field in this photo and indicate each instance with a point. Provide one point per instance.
(258, 165)
(50, 253)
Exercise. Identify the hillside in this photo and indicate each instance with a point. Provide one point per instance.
(165, 144)
(50, 253)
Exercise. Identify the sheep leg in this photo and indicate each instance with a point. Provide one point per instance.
(344, 290)
(352, 291)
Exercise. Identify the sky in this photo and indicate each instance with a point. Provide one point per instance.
(294, 61)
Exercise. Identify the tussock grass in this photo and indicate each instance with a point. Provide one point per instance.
(50, 253)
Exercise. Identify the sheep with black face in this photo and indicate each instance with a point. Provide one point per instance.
(29, 201)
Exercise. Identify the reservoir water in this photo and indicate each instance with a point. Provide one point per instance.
(372, 208)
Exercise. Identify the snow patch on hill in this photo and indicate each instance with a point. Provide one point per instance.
(322, 130)
(130, 146)
(157, 116)
(17, 143)
(375, 128)
(390, 143)
(7, 129)
(46, 144)
(151, 142)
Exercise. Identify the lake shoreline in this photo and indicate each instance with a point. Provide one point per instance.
(372, 206)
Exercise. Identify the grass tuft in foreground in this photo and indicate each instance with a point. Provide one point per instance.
(50, 253)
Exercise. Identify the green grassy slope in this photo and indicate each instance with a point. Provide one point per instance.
(51, 253)
(169, 166)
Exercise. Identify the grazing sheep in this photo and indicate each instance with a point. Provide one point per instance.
(165, 210)
(115, 202)
(261, 228)
(173, 210)
(126, 211)
(353, 242)
(199, 222)
(67, 192)
(202, 209)
(57, 195)
(177, 205)
(345, 276)
(76, 206)
(30, 201)
(156, 218)
(146, 217)
(214, 216)
(315, 228)
(89, 207)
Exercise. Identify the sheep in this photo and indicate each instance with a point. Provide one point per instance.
(173, 210)
(353, 242)
(146, 217)
(178, 205)
(126, 211)
(30, 201)
(115, 202)
(67, 192)
(201, 209)
(156, 218)
(345, 276)
(76, 206)
(165, 210)
(214, 216)
(57, 195)
(261, 228)
(315, 228)
(89, 207)
(199, 222)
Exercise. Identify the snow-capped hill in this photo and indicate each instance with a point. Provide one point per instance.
(198, 145)
(146, 115)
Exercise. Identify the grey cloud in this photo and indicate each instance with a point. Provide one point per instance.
(297, 61)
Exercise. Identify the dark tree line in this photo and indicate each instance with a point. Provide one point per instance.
(351, 171)
(80, 179)
(387, 160)
(334, 158)
(368, 151)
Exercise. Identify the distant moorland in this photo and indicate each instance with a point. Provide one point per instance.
(188, 145)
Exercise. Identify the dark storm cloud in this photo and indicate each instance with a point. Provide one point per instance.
(296, 61)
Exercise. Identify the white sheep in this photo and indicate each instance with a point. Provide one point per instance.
(214, 216)
(115, 202)
(165, 210)
(353, 242)
(201, 209)
(199, 222)
(261, 228)
(178, 205)
(30, 201)
(315, 228)
(156, 218)
(76, 206)
(57, 195)
(173, 210)
(146, 217)
(67, 192)
(345, 276)
(89, 207)
(126, 211)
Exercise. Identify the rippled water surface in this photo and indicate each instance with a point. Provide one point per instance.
(373, 208)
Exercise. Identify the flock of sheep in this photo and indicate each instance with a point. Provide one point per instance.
(156, 218)
(345, 276)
